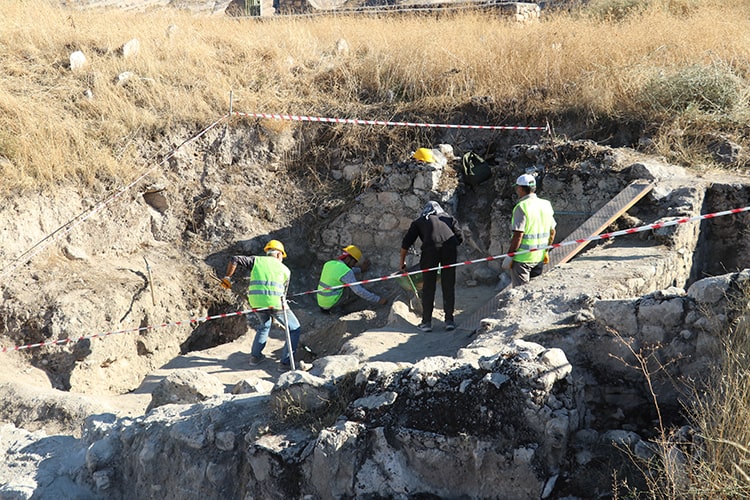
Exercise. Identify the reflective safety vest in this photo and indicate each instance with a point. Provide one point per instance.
(333, 271)
(268, 281)
(539, 217)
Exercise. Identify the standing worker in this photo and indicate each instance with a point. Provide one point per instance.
(440, 237)
(340, 271)
(269, 280)
(533, 225)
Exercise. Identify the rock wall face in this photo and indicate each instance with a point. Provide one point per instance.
(678, 331)
(144, 259)
(500, 423)
(378, 218)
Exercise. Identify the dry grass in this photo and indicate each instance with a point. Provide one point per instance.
(709, 457)
(719, 465)
(590, 64)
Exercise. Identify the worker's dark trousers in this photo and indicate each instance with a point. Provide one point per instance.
(432, 257)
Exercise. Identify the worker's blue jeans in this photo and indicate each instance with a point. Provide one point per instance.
(261, 335)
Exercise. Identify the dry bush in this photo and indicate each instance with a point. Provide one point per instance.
(719, 464)
(416, 67)
(704, 89)
(710, 456)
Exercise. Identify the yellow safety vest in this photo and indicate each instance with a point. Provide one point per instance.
(268, 281)
(333, 271)
(539, 216)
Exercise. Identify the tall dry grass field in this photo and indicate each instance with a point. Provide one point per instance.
(592, 64)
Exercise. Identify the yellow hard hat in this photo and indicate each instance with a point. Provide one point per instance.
(275, 245)
(354, 252)
(424, 154)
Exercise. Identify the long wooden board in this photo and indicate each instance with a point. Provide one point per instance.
(598, 222)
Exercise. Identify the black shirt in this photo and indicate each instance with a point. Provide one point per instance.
(434, 231)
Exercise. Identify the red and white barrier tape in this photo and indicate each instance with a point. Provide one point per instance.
(603, 236)
(354, 121)
(66, 228)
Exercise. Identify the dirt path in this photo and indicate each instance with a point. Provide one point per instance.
(400, 340)
(396, 340)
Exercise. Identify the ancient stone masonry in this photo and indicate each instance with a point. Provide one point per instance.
(522, 12)
(513, 411)
(378, 219)
(679, 331)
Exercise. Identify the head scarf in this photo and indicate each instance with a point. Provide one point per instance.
(432, 208)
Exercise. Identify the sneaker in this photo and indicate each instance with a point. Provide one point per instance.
(450, 326)
(283, 367)
(425, 327)
(256, 360)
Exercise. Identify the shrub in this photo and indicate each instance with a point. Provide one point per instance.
(708, 89)
(719, 464)
(616, 10)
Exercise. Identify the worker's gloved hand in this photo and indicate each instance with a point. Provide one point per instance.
(364, 265)
(383, 301)
(402, 267)
(546, 258)
(507, 263)
(225, 283)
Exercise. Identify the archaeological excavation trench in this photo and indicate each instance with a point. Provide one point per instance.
(661, 294)
(580, 180)
(620, 269)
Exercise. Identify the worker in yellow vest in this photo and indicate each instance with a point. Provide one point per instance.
(269, 280)
(342, 271)
(533, 225)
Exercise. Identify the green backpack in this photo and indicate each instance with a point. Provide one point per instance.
(476, 170)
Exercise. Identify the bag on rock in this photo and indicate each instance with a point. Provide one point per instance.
(476, 170)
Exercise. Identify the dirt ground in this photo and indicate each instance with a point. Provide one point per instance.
(398, 340)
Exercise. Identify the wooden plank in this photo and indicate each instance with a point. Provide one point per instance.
(598, 222)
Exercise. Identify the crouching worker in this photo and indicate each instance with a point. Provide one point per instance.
(269, 279)
(341, 271)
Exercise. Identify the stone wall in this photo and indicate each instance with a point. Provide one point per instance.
(677, 331)
(378, 219)
(522, 12)
(501, 421)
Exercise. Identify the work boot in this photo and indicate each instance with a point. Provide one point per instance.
(425, 327)
(256, 360)
(450, 325)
